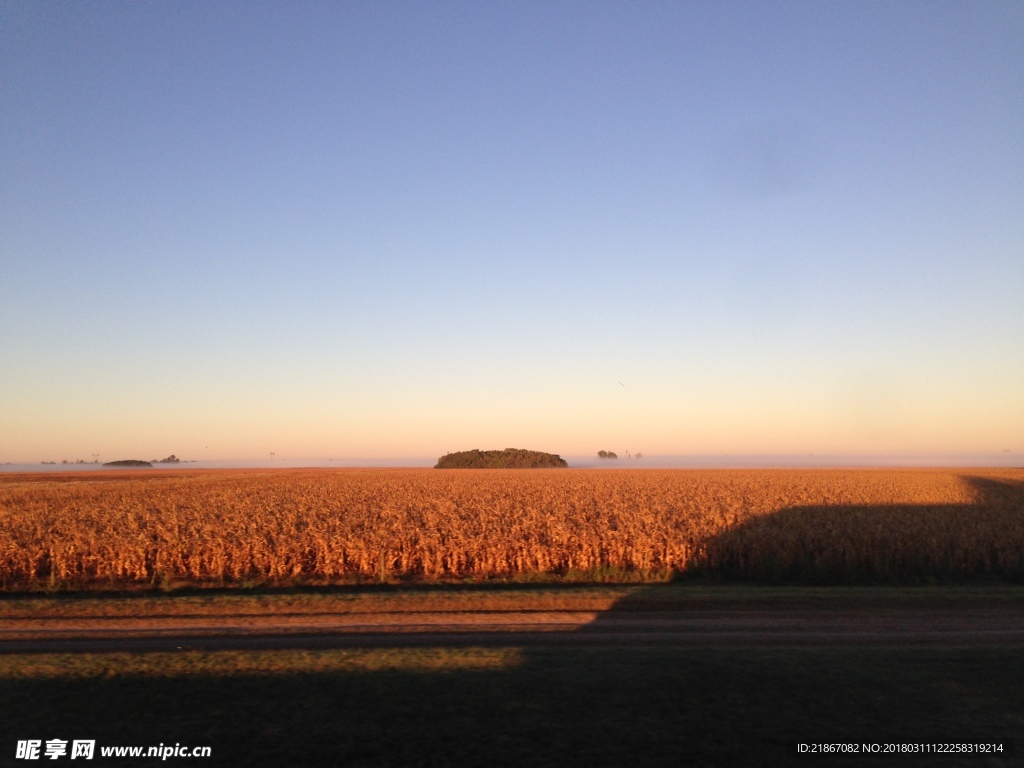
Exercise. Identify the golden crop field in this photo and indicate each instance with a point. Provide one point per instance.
(287, 527)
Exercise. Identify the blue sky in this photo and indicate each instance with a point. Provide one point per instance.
(373, 230)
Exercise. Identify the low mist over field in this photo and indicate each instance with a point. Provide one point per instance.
(1003, 459)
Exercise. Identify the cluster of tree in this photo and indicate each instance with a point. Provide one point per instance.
(510, 458)
(607, 455)
(172, 459)
(128, 463)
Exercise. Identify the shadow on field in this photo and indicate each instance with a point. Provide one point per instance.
(865, 544)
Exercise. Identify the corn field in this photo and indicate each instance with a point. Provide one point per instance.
(314, 527)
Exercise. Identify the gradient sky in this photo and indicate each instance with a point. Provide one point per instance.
(373, 230)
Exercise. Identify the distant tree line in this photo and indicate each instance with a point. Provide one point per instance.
(510, 458)
(607, 455)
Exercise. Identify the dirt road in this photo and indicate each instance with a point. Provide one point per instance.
(763, 625)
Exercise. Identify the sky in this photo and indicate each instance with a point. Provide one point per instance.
(383, 230)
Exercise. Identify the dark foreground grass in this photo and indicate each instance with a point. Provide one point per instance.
(534, 706)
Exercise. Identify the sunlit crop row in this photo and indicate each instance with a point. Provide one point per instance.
(343, 526)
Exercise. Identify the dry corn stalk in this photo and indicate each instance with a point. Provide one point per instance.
(343, 526)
